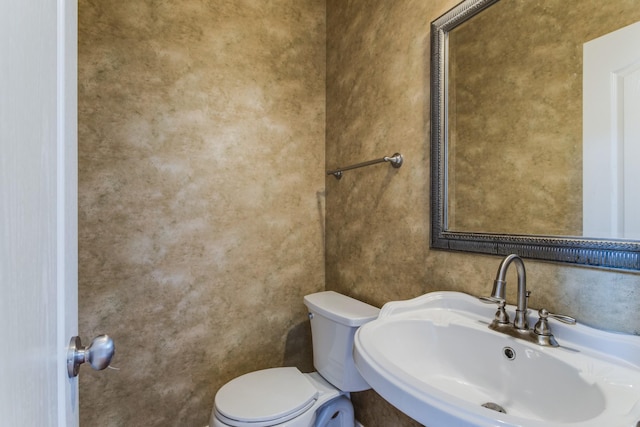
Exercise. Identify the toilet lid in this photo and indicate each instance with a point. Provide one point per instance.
(265, 395)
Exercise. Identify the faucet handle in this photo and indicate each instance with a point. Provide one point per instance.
(542, 327)
(542, 332)
(491, 300)
(543, 312)
(501, 317)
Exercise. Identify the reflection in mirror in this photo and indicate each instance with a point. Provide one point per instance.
(508, 155)
(611, 135)
(515, 114)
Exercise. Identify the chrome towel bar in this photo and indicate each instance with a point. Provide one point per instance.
(395, 160)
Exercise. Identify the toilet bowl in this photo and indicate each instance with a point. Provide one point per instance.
(285, 397)
(282, 397)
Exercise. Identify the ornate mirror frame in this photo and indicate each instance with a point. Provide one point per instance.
(618, 254)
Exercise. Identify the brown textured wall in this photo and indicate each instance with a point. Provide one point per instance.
(198, 267)
(201, 199)
(377, 217)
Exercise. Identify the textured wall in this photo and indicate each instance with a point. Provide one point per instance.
(197, 267)
(377, 218)
(201, 197)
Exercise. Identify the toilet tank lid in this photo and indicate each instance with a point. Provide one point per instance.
(341, 308)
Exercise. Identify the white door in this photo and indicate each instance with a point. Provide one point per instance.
(38, 211)
(611, 135)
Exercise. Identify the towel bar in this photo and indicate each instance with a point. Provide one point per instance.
(395, 160)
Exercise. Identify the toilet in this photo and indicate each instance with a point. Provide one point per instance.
(285, 397)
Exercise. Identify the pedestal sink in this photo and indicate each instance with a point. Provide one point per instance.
(435, 359)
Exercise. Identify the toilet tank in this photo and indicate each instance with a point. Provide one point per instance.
(334, 321)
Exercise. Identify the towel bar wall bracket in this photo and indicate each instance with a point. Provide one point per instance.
(395, 161)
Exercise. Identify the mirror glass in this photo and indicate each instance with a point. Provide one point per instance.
(518, 156)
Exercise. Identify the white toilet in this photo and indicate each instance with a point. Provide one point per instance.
(285, 397)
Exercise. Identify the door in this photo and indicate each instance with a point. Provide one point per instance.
(38, 211)
(611, 140)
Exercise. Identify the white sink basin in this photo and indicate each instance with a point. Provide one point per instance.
(435, 359)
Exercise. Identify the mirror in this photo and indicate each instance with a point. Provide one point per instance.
(511, 165)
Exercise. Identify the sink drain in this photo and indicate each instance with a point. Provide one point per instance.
(494, 407)
(509, 353)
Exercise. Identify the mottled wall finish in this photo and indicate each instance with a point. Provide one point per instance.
(377, 218)
(201, 144)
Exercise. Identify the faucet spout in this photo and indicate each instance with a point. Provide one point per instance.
(500, 284)
(520, 327)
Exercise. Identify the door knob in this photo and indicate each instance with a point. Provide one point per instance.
(98, 354)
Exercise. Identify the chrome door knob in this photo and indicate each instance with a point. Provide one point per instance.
(98, 354)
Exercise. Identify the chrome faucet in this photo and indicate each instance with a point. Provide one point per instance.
(540, 334)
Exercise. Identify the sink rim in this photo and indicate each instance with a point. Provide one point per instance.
(405, 391)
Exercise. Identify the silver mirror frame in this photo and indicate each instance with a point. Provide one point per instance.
(615, 254)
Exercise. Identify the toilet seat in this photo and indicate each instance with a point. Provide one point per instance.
(264, 398)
